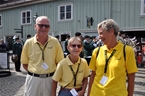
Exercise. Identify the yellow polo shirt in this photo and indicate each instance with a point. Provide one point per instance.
(64, 75)
(116, 70)
(32, 55)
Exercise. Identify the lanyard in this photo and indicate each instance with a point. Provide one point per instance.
(75, 75)
(107, 59)
(42, 50)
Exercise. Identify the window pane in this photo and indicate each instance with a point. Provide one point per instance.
(28, 17)
(68, 15)
(24, 20)
(62, 9)
(62, 16)
(28, 14)
(28, 20)
(68, 8)
(23, 17)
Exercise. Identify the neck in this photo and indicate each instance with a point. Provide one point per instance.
(73, 59)
(42, 39)
(112, 45)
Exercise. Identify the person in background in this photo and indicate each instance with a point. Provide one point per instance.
(3, 46)
(78, 34)
(58, 38)
(28, 36)
(66, 43)
(109, 68)
(40, 56)
(139, 60)
(72, 72)
(17, 49)
(88, 48)
(143, 54)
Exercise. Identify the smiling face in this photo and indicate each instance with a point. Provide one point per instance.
(42, 26)
(75, 46)
(104, 35)
(108, 30)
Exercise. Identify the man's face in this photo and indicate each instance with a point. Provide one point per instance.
(42, 27)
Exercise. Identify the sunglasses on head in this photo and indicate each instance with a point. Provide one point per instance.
(43, 25)
(74, 46)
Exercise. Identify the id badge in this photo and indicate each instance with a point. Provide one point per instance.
(74, 92)
(45, 66)
(103, 80)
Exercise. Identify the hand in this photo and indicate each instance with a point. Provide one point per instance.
(81, 93)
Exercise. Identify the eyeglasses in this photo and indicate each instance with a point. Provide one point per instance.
(74, 46)
(43, 25)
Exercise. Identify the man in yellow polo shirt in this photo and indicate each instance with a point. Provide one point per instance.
(40, 56)
(109, 67)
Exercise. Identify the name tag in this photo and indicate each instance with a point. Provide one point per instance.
(103, 80)
(45, 66)
(74, 92)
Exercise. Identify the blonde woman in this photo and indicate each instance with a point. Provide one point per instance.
(72, 72)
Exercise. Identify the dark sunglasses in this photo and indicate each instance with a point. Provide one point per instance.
(43, 25)
(74, 46)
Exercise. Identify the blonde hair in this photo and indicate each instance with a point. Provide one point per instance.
(72, 39)
(108, 24)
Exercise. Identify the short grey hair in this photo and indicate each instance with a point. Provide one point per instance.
(108, 24)
(41, 17)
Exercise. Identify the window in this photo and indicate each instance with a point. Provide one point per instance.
(65, 12)
(26, 17)
(142, 7)
(142, 40)
(0, 20)
(138, 48)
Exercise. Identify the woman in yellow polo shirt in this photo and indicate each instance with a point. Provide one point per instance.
(72, 72)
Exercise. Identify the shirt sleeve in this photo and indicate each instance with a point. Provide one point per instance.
(92, 64)
(58, 72)
(130, 61)
(86, 68)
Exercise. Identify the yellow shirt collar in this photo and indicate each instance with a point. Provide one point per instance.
(70, 63)
(35, 39)
(117, 47)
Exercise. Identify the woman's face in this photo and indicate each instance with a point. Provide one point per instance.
(75, 48)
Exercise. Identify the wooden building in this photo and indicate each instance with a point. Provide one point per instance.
(70, 16)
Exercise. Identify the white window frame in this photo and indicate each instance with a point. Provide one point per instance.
(26, 18)
(142, 40)
(64, 5)
(138, 48)
(0, 20)
(142, 11)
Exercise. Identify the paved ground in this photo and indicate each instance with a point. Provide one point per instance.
(13, 85)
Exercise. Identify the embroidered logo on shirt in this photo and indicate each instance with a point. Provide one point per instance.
(81, 71)
(49, 47)
(118, 58)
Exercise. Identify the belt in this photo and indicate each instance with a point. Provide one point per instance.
(41, 75)
(66, 89)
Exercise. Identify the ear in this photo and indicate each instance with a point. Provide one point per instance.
(68, 47)
(35, 26)
(112, 30)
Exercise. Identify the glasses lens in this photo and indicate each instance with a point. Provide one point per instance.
(74, 46)
(43, 25)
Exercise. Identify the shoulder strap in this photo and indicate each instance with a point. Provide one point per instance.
(98, 52)
(124, 53)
